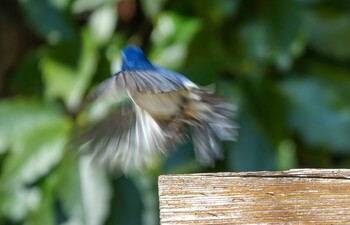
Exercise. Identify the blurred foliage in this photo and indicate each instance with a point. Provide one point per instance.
(285, 64)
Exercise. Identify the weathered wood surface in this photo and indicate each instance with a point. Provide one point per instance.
(302, 196)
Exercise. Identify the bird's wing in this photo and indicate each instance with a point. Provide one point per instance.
(206, 145)
(122, 134)
(112, 88)
(128, 138)
(213, 121)
(126, 135)
(156, 80)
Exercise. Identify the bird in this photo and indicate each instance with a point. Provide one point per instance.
(147, 109)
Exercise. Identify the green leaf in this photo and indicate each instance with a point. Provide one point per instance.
(80, 6)
(95, 191)
(215, 12)
(328, 33)
(253, 41)
(16, 203)
(170, 37)
(270, 38)
(126, 207)
(84, 191)
(27, 77)
(36, 153)
(102, 23)
(286, 36)
(253, 150)
(35, 136)
(44, 213)
(47, 20)
(337, 80)
(147, 187)
(152, 8)
(286, 155)
(69, 83)
(60, 4)
(206, 58)
(261, 99)
(312, 116)
(20, 117)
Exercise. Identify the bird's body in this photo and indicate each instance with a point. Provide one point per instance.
(161, 106)
(155, 108)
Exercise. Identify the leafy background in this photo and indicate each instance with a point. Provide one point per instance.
(285, 64)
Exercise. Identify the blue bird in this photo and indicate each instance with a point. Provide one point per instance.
(150, 109)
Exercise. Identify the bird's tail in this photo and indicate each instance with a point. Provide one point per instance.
(212, 121)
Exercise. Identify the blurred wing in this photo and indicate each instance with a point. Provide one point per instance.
(125, 134)
(128, 138)
(157, 80)
(217, 113)
(213, 122)
(112, 88)
(206, 145)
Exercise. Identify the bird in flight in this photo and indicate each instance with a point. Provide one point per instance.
(147, 109)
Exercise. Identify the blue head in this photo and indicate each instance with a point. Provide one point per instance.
(134, 58)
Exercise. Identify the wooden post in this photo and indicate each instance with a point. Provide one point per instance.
(301, 196)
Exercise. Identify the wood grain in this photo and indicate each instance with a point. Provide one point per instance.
(302, 196)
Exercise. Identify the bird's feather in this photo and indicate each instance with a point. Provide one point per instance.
(147, 110)
(206, 144)
(129, 138)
